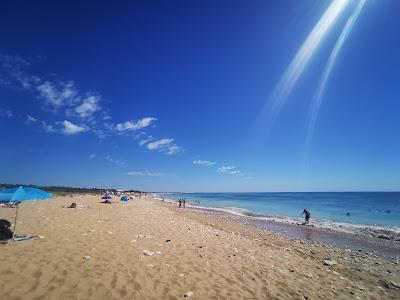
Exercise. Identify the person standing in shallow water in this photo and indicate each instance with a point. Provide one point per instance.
(180, 203)
(184, 203)
(307, 215)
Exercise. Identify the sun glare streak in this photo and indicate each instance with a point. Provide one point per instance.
(302, 58)
(316, 104)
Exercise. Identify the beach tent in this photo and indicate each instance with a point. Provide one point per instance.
(22, 194)
(106, 197)
(125, 198)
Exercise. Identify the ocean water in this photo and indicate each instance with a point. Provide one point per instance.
(375, 209)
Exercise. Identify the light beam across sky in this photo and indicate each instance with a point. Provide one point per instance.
(302, 58)
(317, 101)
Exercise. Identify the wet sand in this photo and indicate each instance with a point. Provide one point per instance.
(389, 249)
(100, 253)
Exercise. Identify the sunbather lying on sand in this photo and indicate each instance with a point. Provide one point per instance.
(9, 205)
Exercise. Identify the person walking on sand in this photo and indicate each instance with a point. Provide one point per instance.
(180, 203)
(307, 216)
(184, 202)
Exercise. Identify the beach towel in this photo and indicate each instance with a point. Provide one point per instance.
(20, 238)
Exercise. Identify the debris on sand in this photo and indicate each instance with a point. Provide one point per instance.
(328, 262)
(188, 294)
(395, 284)
(148, 253)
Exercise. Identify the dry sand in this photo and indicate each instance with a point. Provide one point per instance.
(97, 253)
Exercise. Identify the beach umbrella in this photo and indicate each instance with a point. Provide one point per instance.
(106, 197)
(22, 194)
(124, 198)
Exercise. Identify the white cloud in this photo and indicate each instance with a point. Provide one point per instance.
(91, 156)
(165, 146)
(159, 144)
(172, 149)
(140, 173)
(89, 106)
(70, 128)
(106, 116)
(146, 140)
(228, 170)
(6, 113)
(225, 169)
(203, 163)
(131, 125)
(117, 162)
(30, 119)
(58, 94)
(48, 127)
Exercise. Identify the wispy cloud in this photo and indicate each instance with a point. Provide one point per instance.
(117, 162)
(140, 173)
(66, 127)
(6, 113)
(204, 163)
(159, 144)
(88, 107)
(228, 170)
(69, 128)
(135, 125)
(30, 119)
(92, 156)
(57, 94)
(146, 140)
(48, 127)
(165, 146)
(84, 110)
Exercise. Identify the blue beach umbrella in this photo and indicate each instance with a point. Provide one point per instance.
(125, 198)
(106, 197)
(22, 194)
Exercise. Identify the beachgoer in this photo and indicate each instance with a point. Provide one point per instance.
(180, 202)
(307, 215)
(184, 203)
(388, 211)
(348, 214)
(73, 205)
(5, 231)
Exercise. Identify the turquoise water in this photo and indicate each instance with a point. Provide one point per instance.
(366, 208)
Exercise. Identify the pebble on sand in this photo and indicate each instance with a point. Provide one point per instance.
(147, 253)
(87, 257)
(328, 262)
(188, 294)
(395, 284)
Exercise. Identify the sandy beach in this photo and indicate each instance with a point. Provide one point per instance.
(145, 249)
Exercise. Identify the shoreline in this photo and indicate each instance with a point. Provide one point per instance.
(146, 249)
(352, 241)
(364, 238)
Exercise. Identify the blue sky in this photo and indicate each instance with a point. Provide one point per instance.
(178, 95)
